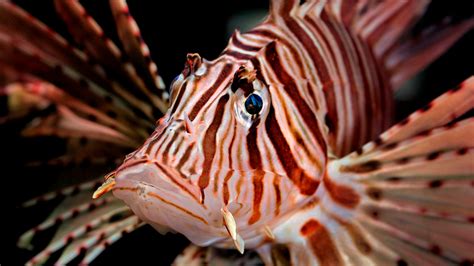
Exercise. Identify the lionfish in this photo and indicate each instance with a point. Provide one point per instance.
(283, 145)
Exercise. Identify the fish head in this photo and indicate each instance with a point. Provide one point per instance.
(224, 158)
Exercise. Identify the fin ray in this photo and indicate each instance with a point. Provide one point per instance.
(408, 203)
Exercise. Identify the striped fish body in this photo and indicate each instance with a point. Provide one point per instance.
(248, 153)
(319, 84)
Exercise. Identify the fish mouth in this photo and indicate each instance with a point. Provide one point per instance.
(156, 199)
(156, 174)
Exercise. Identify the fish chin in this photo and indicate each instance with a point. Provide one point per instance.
(160, 203)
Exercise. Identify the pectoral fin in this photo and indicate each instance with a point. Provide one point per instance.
(405, 198)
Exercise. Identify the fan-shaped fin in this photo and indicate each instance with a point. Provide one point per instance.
(24, 59)
(34, 39)
(404, 198)
(87, 32)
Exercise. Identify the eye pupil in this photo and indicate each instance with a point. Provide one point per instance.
(253, 104)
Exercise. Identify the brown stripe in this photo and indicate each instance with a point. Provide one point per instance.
(193, 91)
(160, 146)
(257, 179)
(209, 143)
(226, 187)
(223, 75)
(238, 186)
(237, 43)
(166, 151)
(293, 51)
(238, 55)
(152, 194)
(362, 168)
(321, 243)
(225, 191)
(306, 185)
(343, 195)
(131, 189)
(255, 161)
(185, 157)
(171, 177)
(231, 144)
(178, 147)
(305, 111)
(276, 186)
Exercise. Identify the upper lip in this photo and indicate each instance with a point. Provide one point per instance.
(130, 162)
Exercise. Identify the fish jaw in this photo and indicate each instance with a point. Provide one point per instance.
(165, 205)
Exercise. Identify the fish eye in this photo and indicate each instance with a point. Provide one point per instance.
(253, 104)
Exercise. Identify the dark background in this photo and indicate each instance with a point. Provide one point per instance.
(172, 29)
